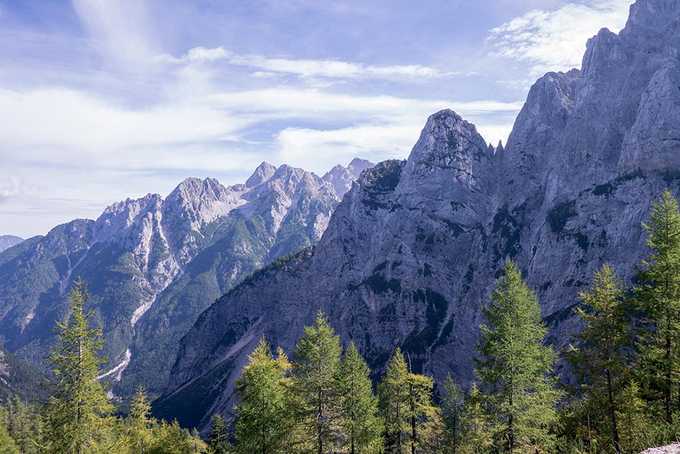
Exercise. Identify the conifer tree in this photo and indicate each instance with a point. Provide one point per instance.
(412, 422)
(601, 358)
(140, 424)
(394, 393)
(79, 411)
(515, 365)
(262, 416)
(475, 433)
(7, 443)
(317, 360)
(452, 403)
(659, 298)
(359, 419)
(218, 442)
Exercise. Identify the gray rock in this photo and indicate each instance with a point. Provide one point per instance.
(7, 241)
(412, 253)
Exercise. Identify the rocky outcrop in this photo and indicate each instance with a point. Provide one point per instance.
(153, 264)
(412, 253)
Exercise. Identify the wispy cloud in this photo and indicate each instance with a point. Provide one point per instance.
(306, 68)
(555, 40)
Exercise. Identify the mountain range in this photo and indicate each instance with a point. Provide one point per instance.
(153, 264)
(412, 253)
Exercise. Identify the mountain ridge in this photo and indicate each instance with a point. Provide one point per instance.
(412, 253)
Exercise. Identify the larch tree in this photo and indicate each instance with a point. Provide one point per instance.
(139, 423)
(79, 412)
(452, 404)
(218, 441)
(601, 357)
(659, 298)
(262, 416)
(394, 393)
(359, 418)
(315, 369)
(515, 367)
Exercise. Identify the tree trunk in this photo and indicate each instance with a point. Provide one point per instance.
(669, 383)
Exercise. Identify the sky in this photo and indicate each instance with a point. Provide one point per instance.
(101, 100)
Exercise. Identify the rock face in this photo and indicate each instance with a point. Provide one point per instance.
(7, 241)
(152, 265)
(412, 253)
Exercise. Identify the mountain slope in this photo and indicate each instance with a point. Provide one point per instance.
(7, 241)
(412, 253)
(153, 264)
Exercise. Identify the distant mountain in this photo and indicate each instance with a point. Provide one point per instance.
(412, 253)
(153, 264)
(20, 379)
(7, 241)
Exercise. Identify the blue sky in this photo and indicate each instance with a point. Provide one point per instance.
(101, 100)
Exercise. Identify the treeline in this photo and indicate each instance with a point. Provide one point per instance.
(625, 396)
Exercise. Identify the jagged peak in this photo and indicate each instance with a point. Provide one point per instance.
(446, 134)
(651, 16)
(262, 173)
(499, 147)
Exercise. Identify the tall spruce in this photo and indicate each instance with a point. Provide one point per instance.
(515, 367)
(79, 411)
(359, 418)
(601, 356)
(659, 298)
(262, 416)
(316, 365)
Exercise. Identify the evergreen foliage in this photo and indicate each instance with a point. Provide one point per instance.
(359, 419)
(263, 420)
(515, 368)
(79, 413)
(659, 298)
(315, 370)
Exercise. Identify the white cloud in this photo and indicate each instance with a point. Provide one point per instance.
(306, 68)
(555, 40)
(120, 29)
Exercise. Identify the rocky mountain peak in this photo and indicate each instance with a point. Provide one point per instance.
(262, 173)
(341, 178)
(448, 148)
(652, 16)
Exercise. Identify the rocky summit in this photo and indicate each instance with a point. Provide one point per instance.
(153, 264)
(412, 253)
(7, 241)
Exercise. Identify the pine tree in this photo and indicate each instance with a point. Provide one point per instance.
(394, 393)
(317, 360)
(601, 358)
(359, 417)
(78, 413)
(25, 425)
(140, 424)
(218, 442)
(636, 431)
(452, 403)
(659, 298)
(515, 365)
(262, 417)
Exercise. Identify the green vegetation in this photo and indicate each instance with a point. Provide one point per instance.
(626, 396)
